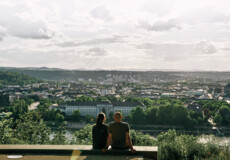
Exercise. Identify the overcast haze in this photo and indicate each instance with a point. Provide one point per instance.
(116, 34)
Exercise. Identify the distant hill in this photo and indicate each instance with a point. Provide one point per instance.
(57, 74)
(13, 78)
(95, 75)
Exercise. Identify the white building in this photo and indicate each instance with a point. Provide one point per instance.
(93, 108)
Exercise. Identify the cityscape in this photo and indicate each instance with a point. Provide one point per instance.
(154, 103)
(108, 80)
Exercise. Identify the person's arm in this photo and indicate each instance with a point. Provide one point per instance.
(93, 135)
(129, 142)
(108, 143)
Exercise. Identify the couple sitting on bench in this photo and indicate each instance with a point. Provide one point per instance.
(116, 134)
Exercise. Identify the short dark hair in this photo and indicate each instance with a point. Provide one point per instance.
(118, 115)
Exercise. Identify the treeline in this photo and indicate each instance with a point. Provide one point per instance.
(165, 111)
(170, 112)
(166, 115)
(12, 78)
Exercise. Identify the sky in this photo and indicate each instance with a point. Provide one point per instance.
(116, 34)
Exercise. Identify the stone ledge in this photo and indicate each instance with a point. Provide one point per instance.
(146, 151)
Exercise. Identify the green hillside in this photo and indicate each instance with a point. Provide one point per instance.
(13, 78)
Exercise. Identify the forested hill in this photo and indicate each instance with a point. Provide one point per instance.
(13, 78)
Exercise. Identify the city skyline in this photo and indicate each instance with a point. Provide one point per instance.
(116, 35)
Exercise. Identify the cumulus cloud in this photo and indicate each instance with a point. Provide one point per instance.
(114, 39)
(17, 26)
(27, 29)
(94, 52)
(101, 12)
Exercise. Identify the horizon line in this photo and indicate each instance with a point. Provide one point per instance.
(132, 70)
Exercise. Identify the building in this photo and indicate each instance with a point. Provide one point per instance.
(227, 90)
(93, 108)
(194, 106)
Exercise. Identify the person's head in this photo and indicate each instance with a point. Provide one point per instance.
(117, 117)
(101, 118)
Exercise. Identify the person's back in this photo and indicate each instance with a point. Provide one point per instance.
(100, 133)
(118, 136)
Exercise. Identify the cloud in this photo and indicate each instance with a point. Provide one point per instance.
(114, 39)
(205, 14)
(19, 26)
(27, 29)
(168, 15)
(1, 36)
(94, 52)
(204, 48)
(101, 12)
(154, 7)
(177, 51)
(159, 25)
(226, 49)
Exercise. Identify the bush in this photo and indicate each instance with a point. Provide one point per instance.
(140, 139)
(171, 146)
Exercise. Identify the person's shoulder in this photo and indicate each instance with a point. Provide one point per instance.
(105, 125)
(112, 123)
(125, 123)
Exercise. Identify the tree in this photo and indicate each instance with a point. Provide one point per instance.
(224, 112)
(218, 119)
(180, 115)
(138, 115)
(76, 116)
(165, 115)
(59, 118)
(4, 100)
(84, 99)
(31, 129)
(84, 136)
(6, 131)
(59, 137)
(151, 115)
